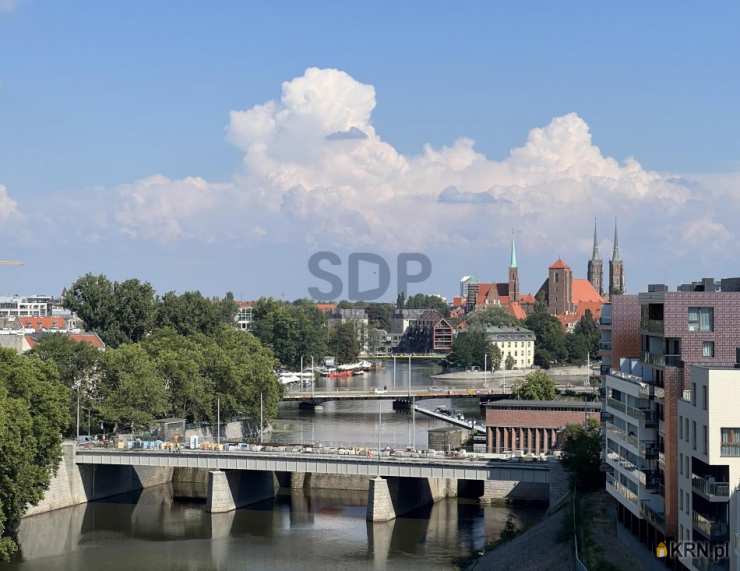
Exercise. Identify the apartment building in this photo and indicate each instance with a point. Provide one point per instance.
(245, 315)
(709, 467)
(695, 325)
(514, 342)
(30, 306)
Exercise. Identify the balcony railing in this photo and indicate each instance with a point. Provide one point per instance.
(687, 396)
(653, 325)
(615, 404)
(710, 488)
(711, 528)
(730, 450)
(652, 516)
(622, 435)
(612, 484)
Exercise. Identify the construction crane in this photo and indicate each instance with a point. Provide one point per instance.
(10, 263)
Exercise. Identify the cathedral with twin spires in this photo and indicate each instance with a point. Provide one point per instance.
(616, 267)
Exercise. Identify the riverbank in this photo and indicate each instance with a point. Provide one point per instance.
(570, 372)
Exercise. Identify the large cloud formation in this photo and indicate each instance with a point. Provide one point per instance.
(315, 168)
(8, 206)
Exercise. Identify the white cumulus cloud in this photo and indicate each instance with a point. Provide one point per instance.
(315, 168)
(8, 206)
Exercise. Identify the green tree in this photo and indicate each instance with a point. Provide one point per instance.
(582, 454)
(343, 342)
(577, 347)
(33, 413)
(509, 362)
(181, 362)
(536, 386)
(495, 357)
(550, 344)
(495, 316)
(380, 315)
(291, 331)
(117, 312)
(133, 393)
(191, 313)
(241, 369)
(469, 349)
(78, 365)
(425, 301)
(588, 329)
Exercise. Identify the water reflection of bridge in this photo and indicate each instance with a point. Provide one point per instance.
(153, 517)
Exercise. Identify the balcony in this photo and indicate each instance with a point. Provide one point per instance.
(619, 434)
(687, 396)
(730, 450)
(662, 360)
(712, 529)
(656, 518)
(605, 346)
(653, 326)
(709, 489)
(616, 488)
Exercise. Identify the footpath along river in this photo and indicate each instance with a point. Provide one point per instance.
(164, 528)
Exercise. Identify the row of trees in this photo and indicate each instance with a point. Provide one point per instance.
(33, 413)
(299, 330)
(127, 311)
(166, 374)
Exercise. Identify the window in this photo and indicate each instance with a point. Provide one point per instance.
(706, 440)
(686, 429)
(693, 394)
(680, 428)
(730, 442)
(680, 463)
(693, 434)
(704, 396)
(708, 350)
(680, 502)
(701, 319)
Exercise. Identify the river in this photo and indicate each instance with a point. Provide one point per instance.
(158, 528)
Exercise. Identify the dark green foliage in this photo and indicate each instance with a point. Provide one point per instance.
(494, 359)
(291, 330)
(496, 316)
(343, 343)
(416, 339)
(125, 312)
(79, 368)
(550, 345)
(33, 413)
(424, 301)
(536, 386)
(190, 313)
(469, 349)
(582, 454)
(379, 315)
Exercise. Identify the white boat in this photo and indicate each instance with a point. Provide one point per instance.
(287, 378)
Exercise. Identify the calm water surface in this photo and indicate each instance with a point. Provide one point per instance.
(158, 528)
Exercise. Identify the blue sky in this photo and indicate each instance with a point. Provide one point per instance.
(96, 97)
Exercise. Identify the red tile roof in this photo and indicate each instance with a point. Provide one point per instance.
(583, 291)
(89, 338)
(39, 323)
(559, 265)
(326, 307)
(516, 310)
(244, 304)
(527, 298)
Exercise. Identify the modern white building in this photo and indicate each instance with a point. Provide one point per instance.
(516, 342)
(244, 316)
(30, 306)
(631, 448)
(709, 465)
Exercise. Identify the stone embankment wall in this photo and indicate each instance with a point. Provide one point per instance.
(73, 485)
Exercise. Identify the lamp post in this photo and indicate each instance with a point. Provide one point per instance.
(380, 428)
(218, 420)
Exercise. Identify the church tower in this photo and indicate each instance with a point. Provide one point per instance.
(513, 274)
(616, 268)
(596, 267)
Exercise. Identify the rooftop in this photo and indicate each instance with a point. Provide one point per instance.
(545, 404)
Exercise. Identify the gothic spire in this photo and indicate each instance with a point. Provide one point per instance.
(595, 255)
(615, 254)
(512, 263)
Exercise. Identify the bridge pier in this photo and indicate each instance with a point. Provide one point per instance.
(401, 404)
(232, 489)
(394, 496)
